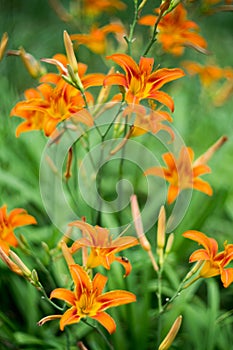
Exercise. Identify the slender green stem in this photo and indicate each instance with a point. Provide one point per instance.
(45, 296)
(100, 333)
(120, 174)
(160, 306)
(114, 119)
(153, 38)
(129, 39)
(183, 285)
(71, 194)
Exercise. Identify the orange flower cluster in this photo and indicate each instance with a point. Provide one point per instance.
(87, 300)
(175, 31)
(55, 100)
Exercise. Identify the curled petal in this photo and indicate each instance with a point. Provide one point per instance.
(227, 276)
(48, 318)
(210, 244)
(69, 317)
(125, 262)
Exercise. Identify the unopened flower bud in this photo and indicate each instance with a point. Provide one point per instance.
(169, 244)
(16, 259)
(161, 228)
(3, 45)
(168, 340)
(70, 52)
(34, 277)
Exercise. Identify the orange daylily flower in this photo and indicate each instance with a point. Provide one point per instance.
(54, 100)
(175, 31)
(92, 7)
(102, 247)
(87, 300)
(220, 78)
(183, 173)
(96, 39)
(214, 262)
(140, 82)
(8, 222)
(148, 121)
(208, 74)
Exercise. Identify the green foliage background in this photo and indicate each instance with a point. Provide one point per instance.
(206, 307)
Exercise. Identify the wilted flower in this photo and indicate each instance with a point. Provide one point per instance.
(54, 100)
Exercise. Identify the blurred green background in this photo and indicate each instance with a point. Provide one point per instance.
(206, 307)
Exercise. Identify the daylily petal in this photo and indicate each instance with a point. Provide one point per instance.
(173, 192)
(115, 298)
(201, 169)
(209, 269)
(99, 283)
(127, 63)
(202, 186)
(93, 80)
(200, 254)
(115, 79)
(125, 262)
(157, 171)
(69, 317)
(163, 98)
(227, 276)
(106, 320)
(209, 244)
(63, 294)
(164, 75)
(48, 318)
(146, 65)
(121, 243)
(81, 279)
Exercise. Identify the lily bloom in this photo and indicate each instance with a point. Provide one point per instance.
(54, 100)
(8, 222)
(96, 39)
(140, 82)
(87, 300)
(94, 8)
(208, 73)
(182, 173)
(214, 262)
(102, 247)
(175, 31)
(151, 120)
